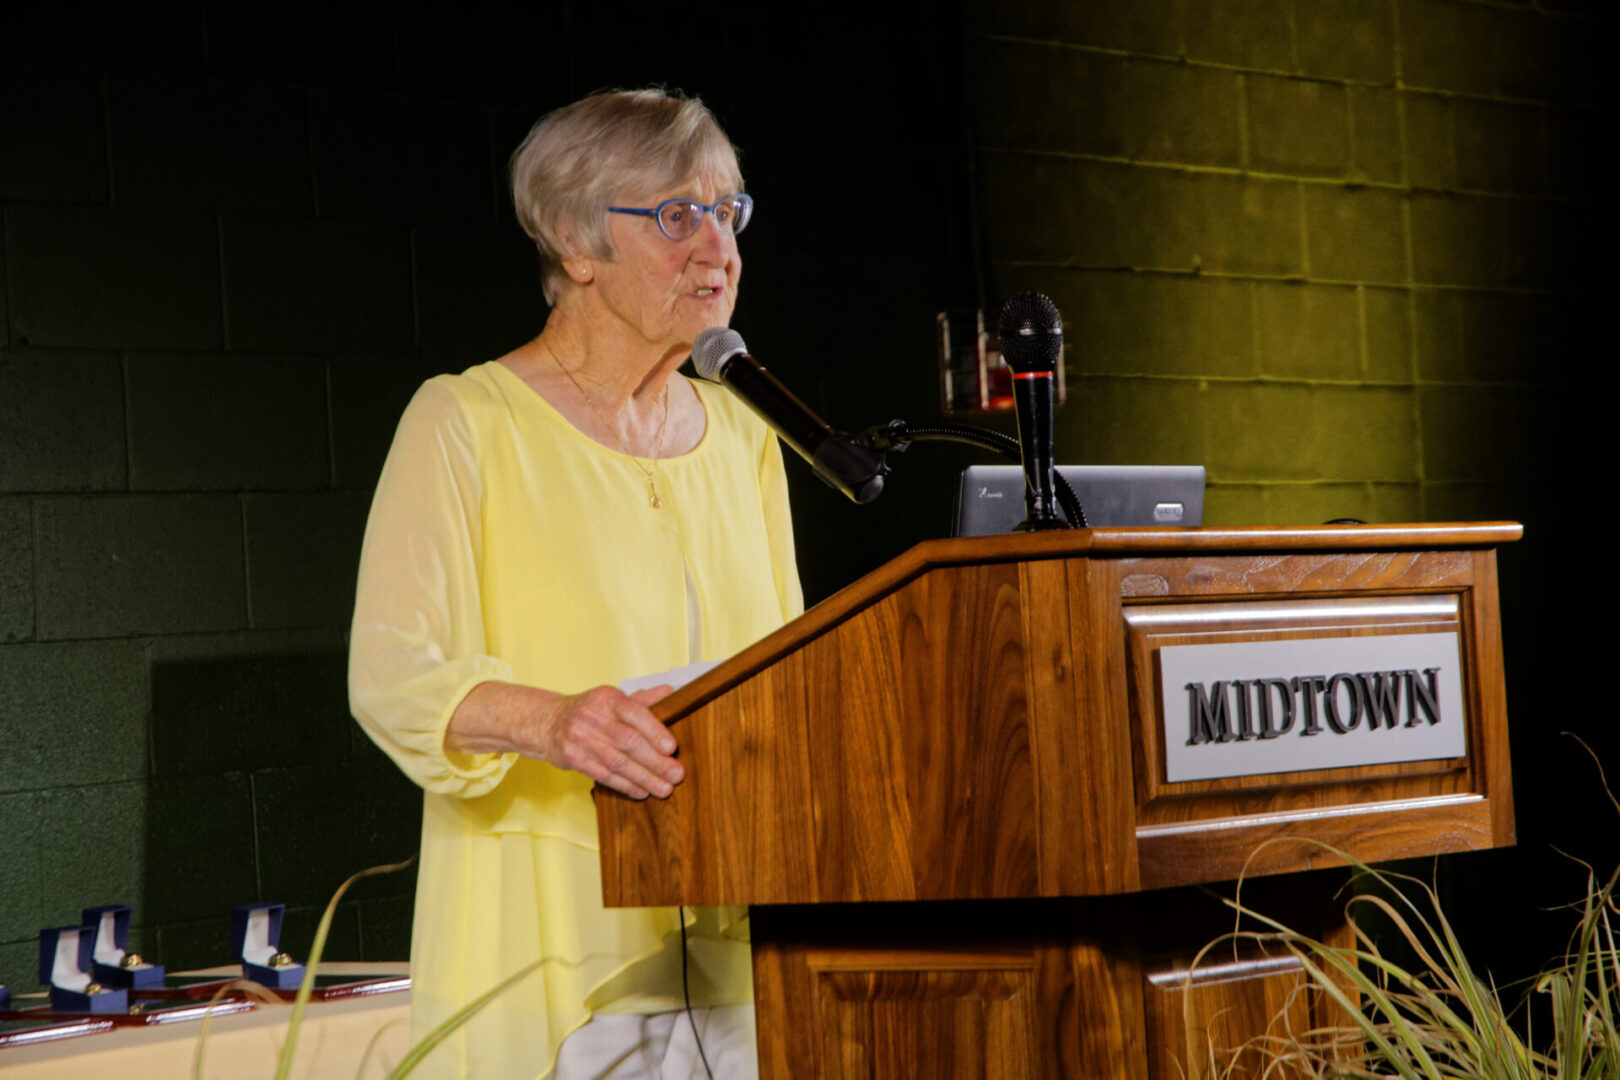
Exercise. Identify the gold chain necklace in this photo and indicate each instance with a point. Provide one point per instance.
(649, 470)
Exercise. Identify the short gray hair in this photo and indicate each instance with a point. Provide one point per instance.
(577, 158)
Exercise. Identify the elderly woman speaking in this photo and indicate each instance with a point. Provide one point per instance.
(547, 524)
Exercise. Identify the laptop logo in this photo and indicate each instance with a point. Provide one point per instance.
(1169, 512)
(986, 493)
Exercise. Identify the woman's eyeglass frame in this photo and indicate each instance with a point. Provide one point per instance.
(739, 221)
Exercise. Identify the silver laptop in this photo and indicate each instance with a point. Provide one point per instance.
(991, 498)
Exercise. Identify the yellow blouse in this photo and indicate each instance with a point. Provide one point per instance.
(505, 544)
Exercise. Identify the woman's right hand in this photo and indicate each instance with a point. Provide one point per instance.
(608, 735)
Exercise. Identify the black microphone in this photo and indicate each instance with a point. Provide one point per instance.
(720, 355)
(1031, 333)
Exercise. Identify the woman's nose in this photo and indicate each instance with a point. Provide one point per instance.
(714, 241)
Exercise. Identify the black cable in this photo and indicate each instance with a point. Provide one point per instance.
(899, 434)
(686, 992)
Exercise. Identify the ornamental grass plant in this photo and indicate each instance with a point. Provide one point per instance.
(1430, 1014)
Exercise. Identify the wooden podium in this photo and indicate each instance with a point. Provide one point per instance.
(944, 791)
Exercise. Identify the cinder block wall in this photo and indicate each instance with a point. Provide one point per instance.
(232, 247)
(231, 251)
(1316, 245)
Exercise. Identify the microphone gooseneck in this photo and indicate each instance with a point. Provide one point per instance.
(720, 355)
(1031, 332)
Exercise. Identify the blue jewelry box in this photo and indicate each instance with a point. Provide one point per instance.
(64, 963)
(255, 936)
(110, 965)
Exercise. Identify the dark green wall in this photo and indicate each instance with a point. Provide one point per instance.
(1337, 250)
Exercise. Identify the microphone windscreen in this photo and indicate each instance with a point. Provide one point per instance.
(1031, 332)
(713, 348)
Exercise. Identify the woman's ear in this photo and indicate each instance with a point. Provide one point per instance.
(579, 267)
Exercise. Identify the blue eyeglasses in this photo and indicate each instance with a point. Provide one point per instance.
(681, 218)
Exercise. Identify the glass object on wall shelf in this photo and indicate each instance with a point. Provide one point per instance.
(973, 378)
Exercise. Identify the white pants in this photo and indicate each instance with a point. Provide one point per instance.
(661, 1047)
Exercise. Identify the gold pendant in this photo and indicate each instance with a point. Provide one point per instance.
(652, 495)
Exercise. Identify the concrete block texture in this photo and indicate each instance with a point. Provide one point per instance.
(1307, 331)
(1431, 142)
(109, 820)
(244, 711)
(52, 141)
(1043, 96)
(477, 293)
(16, 569)
(1387, 334)
(1243, 33)
(1500, 147)
(1356, 234)
(1114, 215)
(1137, 28)
(1151, 324)
(195, 142)
(1122, 421)
(1375, 136)
(1298, 126)
(1476, 433)
(113, 279)
(388, 158)
(302, 855)
(1346, 39)
(385, 924)
(199, 842)
(354, 45)
(1542, 242)
(1292, 431)
(74, 713)
(368, 394)
(61, 421)
(1311, 503)
(1573, 156)
(1457, 240)
(1468, 335)
(1451, 45)
(1492, 49)
(317, 287)
(164, 33)
(342, 936)
(1184, 114)
(200, 422)
(145, 564)
(450, 53)
(23, 858)
(303, 552)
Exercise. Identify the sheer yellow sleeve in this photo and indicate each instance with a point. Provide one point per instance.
(417, 645)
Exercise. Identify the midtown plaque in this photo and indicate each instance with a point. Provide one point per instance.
(1242, 708)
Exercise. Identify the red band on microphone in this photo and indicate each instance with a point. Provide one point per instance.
(1032, 375)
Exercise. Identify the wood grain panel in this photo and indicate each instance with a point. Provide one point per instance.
(1070, 543)
(969, 1023)
(1197, 1027)
(1223, 849)
(970, 761)
(925, 734)
(758, 756)
(1101, 855)
(858, 754)
(1294, 574)
(1483, 616)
